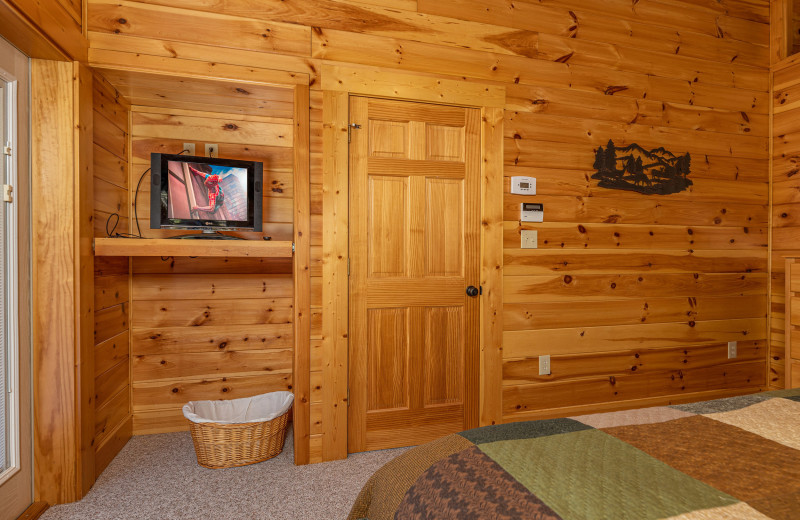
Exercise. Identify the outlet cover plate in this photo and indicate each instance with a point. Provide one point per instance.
(529, 239)
(189, 147)
(732, 349)
(212, 150)
(544, 365)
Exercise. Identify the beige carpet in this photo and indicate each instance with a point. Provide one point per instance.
(157, 477)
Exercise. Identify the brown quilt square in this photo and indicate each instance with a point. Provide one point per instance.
(740, 463)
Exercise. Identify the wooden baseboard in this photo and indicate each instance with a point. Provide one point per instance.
(34, 511)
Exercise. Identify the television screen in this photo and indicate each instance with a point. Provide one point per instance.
(204, 193)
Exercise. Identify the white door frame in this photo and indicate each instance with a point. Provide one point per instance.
(16, 482)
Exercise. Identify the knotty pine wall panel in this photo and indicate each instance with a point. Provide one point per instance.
(211, 328)
(618, 276)
(785, 215)
(317, 356)
(112, 275)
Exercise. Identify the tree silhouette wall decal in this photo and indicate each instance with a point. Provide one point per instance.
(652, 172)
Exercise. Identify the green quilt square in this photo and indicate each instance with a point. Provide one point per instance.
(592, 475)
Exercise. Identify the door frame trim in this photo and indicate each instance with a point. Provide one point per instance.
(18, 481)
(338, 84)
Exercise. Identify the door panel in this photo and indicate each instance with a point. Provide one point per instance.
(445, 143)
(388, 139)
(388, 226)
(444, 355)
(387, 375)
(414, 239)
(444, 227)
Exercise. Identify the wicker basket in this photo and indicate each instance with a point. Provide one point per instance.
(232, 445)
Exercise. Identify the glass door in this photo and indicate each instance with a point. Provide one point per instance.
(6, 404)
(7, 373)
(15, 347)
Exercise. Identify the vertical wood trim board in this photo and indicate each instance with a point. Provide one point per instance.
(302, 276)
(491, 363)
(63, 460)
(83, 202)
(787, 292)
(780, 25)
(768, 368)
(335, 116)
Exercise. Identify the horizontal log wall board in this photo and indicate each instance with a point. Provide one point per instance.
(634, 297)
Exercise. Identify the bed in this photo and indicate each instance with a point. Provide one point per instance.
(733, 458)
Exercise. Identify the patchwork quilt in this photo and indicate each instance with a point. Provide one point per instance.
(734, 458)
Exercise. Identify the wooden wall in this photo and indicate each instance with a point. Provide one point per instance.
(785, 218)
(211, 328)
(46, 29)
(634, 296)
(112, 366)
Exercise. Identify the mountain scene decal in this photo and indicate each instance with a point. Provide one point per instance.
(632, 168)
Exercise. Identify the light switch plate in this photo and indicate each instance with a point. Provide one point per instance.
(544, 365)
(529, 239)
(732, 349)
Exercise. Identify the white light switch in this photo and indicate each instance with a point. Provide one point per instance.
(529, 239)
(732, 349)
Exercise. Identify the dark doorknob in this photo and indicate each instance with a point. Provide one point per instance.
(473, 291)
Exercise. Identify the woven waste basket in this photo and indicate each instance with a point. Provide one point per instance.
(238, 432)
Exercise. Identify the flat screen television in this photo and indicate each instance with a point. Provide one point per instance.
(203, 193)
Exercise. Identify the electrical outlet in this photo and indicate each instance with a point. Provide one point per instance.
(212, 150)
(528, 239)
(544, 365)
(188, 148)
(732, 349)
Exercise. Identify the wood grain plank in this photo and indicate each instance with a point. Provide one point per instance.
(531, 343)
(146, 21)
(197, 313)
(165, 366)
(558, 235)
(531, 262)
(643, 361)
(534, 314)
(600, 389)
(202, 287)
(595, 287)
(215, 338)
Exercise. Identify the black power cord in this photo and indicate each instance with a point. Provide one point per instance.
(111, 233)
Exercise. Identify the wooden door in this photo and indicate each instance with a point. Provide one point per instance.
(414, 250)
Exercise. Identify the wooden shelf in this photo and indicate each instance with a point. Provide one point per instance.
(173, 247)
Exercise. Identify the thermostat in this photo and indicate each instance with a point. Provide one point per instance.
(523, 185)
(531, 212)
